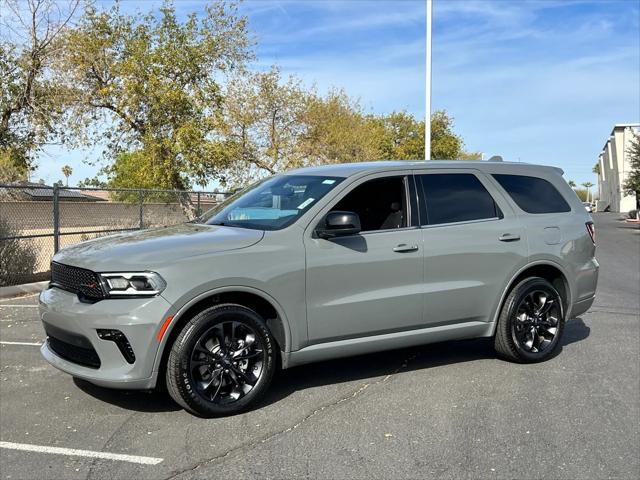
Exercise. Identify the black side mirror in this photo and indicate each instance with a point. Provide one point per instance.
(339, 224)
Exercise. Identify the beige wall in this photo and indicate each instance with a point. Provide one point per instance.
(614, 170)
(36, 218)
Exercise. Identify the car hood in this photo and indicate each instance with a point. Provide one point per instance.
(153, 248)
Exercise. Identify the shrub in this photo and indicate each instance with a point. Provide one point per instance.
(17, 257)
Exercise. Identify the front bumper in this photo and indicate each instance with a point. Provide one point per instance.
(139, 319)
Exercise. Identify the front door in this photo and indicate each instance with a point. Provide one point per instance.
(369, 283)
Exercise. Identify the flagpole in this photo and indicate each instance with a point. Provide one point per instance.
(427, 107)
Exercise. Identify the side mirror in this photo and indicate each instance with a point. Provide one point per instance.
(339, 224)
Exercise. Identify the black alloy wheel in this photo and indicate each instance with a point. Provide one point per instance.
(531, 322)
(536, 322)
(222, 361)
(227, 362)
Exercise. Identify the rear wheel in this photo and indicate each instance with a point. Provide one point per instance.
(222, 362)
(531, 322)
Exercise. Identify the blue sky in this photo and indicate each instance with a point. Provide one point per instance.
(539, 81)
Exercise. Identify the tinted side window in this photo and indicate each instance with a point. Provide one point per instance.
(532, 194)
(456, 197)
(380, 203)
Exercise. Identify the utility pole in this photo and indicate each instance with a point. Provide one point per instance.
(427, 107)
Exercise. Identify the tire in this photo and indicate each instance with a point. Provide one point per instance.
(531, 322)
(222, 362)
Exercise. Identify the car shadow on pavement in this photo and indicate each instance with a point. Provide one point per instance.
(138, 400)
(332, 372)
(380, 364)
(575, 330)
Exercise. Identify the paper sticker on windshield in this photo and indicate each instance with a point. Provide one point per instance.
(306, 203)
(328, 182)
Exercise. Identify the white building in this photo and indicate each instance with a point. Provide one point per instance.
(614, 169)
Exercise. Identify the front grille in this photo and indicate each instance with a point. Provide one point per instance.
(82, 356)
(77, 280)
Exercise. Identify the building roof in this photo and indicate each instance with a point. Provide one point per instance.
(39, 192)
(625, 125)
(350, 169)
(620, 126)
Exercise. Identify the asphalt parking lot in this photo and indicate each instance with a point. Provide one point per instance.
(451, 410)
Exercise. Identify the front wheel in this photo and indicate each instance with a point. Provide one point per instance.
(531, 322)
(222, 362)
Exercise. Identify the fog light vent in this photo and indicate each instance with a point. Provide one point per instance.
(121, 342)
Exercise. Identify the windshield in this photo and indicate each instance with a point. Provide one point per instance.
(271, 204)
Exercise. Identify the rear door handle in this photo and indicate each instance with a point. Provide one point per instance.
(509, 237)
(404, 248)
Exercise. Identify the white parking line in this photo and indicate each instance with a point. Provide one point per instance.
(28, 344)
(19, 298)
(81, 453)
(18, 306)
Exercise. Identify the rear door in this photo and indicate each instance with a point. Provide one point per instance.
(473, 244)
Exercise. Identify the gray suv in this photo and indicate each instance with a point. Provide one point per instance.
(320, 263)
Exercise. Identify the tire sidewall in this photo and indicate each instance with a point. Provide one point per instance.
(182, 351)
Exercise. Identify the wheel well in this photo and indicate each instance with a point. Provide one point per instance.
(250, 300)
(551, 274)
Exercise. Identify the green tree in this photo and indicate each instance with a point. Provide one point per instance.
(17, 256)
(588, 186)
(402, 137)
(572, 184)
(582, 194)
(470, 156)
(155, 81)
(336, 130)
(445, 143)
(632, 184)
(10, 170)
(263, 116)
(67, 171)
(133, 170)
(596, 168)
(31, 99)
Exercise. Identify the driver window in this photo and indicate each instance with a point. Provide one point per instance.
(380, 204)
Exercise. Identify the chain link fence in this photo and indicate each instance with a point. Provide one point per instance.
(37, 220)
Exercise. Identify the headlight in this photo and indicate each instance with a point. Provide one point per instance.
(133, 284)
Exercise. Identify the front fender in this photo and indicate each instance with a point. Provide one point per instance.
(182, 305)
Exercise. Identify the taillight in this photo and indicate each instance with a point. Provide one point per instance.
(591, 228)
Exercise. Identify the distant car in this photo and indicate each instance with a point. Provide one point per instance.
(588, 207)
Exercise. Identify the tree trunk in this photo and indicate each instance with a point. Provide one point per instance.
(187, 206)
(184, 199)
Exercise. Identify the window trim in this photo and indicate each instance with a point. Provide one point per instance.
(464, 222)
(421, 196)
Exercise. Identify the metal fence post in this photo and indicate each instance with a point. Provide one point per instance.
(141, 210)
(56, 218)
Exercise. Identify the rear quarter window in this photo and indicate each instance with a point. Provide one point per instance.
(533, 194)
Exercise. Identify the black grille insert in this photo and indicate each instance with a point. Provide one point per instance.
(82, 356)
(77, 280)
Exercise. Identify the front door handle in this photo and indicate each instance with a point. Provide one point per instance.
(509, 237)
(404, 248)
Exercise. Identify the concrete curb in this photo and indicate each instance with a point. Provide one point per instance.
(21, 290)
